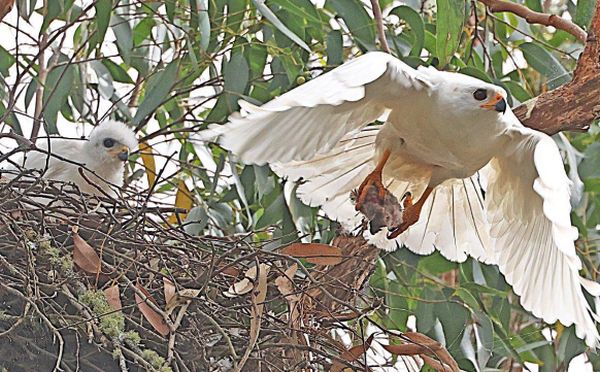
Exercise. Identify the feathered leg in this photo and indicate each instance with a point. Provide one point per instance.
(411, 212)
(374, 177)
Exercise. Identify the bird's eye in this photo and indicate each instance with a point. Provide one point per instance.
(480, 94)
(108, 143)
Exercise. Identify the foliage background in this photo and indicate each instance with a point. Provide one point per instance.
(170, 68)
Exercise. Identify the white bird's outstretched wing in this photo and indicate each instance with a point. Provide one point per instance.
(534, 240)
(313, 117)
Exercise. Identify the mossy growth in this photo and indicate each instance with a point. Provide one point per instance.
(131, 338)
(156, 360)
(111, 323)
(63, 263)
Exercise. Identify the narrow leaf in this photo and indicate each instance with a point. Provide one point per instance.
(147, 155)
(163, 84)
(84, 256)
(268, 14)
(113, 297)
(183, 200)
(154, 318)
(284, 283)
(103, 9)
(450, 19)
(258, 299)
(414, 20)
(169, 289)
(357, 19)
(584, 13)
(545, 63)
(318, 254)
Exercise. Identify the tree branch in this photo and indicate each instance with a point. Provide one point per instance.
(576, 104)
(379, 23)
(497, 6)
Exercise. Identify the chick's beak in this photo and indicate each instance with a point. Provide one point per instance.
(496, 103)
(123, 155)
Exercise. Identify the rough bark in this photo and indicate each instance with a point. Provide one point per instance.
(576, 104)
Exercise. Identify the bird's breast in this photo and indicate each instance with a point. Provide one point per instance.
(444, 141)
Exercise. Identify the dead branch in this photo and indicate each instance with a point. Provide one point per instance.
(576, 104)
(497, 6)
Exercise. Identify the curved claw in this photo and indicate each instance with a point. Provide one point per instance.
(410, 214)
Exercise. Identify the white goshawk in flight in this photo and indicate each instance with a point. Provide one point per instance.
(101, 158)
(443, 130)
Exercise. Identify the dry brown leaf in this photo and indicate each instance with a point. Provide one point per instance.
(406, 349)
(421, 339)
(258, 299)
(445, 357)
(428, 346)
(84, 256)
(169, 289)
(351, 355)
(229, 270)
(245, 285)
(435, 364)
(284, 283)
(318, 254)
(184, 296)
(113, 297)
(155, 319)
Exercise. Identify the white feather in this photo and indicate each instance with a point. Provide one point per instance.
(534, 239)
(313, 117)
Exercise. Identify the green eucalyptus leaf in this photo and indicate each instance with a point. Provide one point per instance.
(102, 19)
(269, 15)
(196, 221)
(117, 72)
(158, 92)
(545, 63)
(450, 19)
(335, 48)
(123, 35)
(6, 61)
(417, 27)
(361, 26)
(56, 90)
(584, 13)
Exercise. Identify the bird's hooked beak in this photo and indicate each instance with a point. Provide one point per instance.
(496, 103)
(123, 154)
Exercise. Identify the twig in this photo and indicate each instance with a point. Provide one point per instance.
(379, 23)
(497, 6)
(39, 92)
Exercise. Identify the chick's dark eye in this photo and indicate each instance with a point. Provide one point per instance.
(108, 142)
(480, 94)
